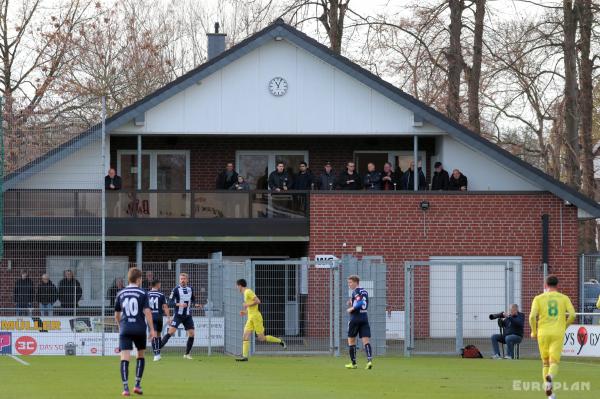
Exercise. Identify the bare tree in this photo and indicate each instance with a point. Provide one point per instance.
(454, 59)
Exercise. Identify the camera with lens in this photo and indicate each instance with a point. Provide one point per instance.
(495, 316)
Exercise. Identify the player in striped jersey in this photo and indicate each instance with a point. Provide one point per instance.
(183, 299)
(131, 308)
(159, 308)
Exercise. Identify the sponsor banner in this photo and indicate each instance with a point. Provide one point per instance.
(5, 343)
(582, 341)
(63, 324)
(217, 329)
(85, 344)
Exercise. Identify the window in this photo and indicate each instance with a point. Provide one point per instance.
(88, 271)
(396, 158)
(256, 166)
(163, 170)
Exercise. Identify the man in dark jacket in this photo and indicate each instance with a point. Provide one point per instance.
(69, 292)
(349, 179)
(23, 294)
(513, 324)
(389, 179)
(327, 179)
(458, 181)
(46, 295)
(114, 289)
(112, 181)
(440, 178)
(303, 180)
(226, 178)
(372, 180)
(408, 180)
(279, 180)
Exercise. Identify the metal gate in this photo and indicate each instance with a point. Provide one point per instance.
(447, 302)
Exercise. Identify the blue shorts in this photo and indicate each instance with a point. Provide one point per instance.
(360, 328)
(158, 325)
(126, 341)
(187, 321)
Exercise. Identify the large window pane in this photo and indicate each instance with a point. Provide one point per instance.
(255, 168)
(170, 172)
(129, 171)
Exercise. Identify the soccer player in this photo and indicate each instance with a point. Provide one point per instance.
(359, 322)
(255, 321)
(131, 306)
(549, 320)
(159, 307)
(183, 299)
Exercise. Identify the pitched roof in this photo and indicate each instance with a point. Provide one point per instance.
(294, 36)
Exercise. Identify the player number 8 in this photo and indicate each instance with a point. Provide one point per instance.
(552, 308)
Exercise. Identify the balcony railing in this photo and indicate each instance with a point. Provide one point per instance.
(155, 204)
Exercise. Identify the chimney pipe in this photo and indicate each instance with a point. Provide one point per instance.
(216, 42)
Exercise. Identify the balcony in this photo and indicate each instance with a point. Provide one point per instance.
(152, 215)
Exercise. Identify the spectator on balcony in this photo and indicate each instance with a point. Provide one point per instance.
(372, 179)
(114, 289)
(440, 179)
(240, 185)
(112, 181)
(69, 292)
(389, 179)
(23, 294)
(304, 180)
(349, 179)
(458, 181)
(326, 180)
(408, 179)
(46, 295)
(279, 179)
(147, 282)
(227, 178)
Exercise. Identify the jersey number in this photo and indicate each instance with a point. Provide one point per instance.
(552, 308)
(153, 303)
(130, 307)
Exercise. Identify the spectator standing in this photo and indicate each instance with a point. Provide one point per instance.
(46, 295)
(304, 179)
(69, 291)
(372, 179)
(349, 179)
(226, 178)
(458, 181)
(440, 179)
(279, 179)
(147, 283)
(114, 290)
(389, 179)
(409, 177)
(112, 181)
(23, 294)
(240, 185)
(327, 179)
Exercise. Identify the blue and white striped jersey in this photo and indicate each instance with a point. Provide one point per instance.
(131, 302)
(182, 295)
(156, 300)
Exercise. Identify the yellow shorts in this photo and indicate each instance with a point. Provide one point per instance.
(255, 323)
(550, 347)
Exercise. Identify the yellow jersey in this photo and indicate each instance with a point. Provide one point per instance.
(598, 303)
(249, 296)
(549, 314)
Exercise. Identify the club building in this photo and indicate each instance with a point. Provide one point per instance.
(281, 96)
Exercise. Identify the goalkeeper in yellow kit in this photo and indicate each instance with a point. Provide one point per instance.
(551, 314)
(255, 321)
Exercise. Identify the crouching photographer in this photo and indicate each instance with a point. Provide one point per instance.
(511, 325)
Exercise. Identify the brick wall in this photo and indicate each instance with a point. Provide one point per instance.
(209, 155)
(456, 225)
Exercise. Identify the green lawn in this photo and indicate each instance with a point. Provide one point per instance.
(287, 377)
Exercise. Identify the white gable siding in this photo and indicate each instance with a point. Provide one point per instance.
(320, 100)
(482, 172)
(80, 170)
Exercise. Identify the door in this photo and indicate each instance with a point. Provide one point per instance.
(255, 169)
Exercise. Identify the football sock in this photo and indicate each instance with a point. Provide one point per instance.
(188, 345)
(245, 348)
(125, 374)
(369, 352)
(165, 339)
(352, 350)
(139, 370)
(545, 372)
(156, 346)
(553, 370)
(272, 339)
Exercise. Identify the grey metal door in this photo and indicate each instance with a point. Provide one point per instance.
(232, 304)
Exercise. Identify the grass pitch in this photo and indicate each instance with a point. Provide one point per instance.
(291, 377)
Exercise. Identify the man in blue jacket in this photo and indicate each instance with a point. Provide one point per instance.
(513, 332)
